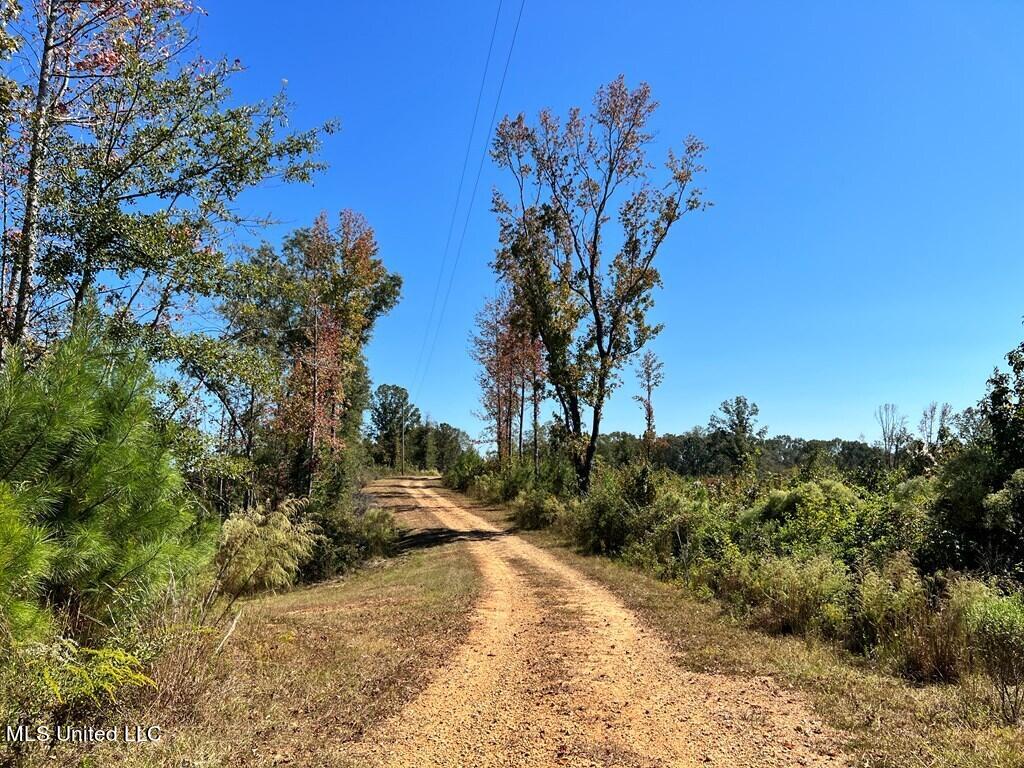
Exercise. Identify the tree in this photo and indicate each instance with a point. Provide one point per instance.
(451, 443)
(586, 290)
(979, 512)
(433, 446)
(650, 375)
(392, 417)
(342, 288)
(159, 159)
(303, 317)
(737, 425)
(935, 423)
(620, 449)
(511, 366)
(934, 435)
(94, 517)
(894, 432)
(1003, 409)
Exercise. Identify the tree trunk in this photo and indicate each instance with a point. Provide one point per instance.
(247, 500)
(36, 156)
(80, 294)
(313, 404)
(522, 413)
(510, 410)
(536, 429)
(586, 465)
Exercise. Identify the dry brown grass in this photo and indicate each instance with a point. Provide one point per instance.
(307, 672)
(892, 723)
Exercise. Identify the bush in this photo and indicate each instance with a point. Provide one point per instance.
(536, 509)
(466, 468)
(678, 534)
(262, 549)
(349, 532)
(601, 524)
(814, 517)
(887, 602)
(498, 485)
(897, 522)
(94, 515)
(997, 629)
(732, 577)
(485, 486)
(916, 627)
(801, 596)
(58, 681)
(377, 533)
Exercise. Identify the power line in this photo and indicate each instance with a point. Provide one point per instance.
(472, 198)
(458, 195)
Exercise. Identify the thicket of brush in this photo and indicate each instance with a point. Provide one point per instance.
(819, 558)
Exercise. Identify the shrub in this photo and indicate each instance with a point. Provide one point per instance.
(513, 479)
(898, 521)
(802, 596)
(486, 486)
(887, 601)
(915, 626)
(638, 486)
(498, 485)
(466, 468)
(732, 577)
(536, 509)
(1004, 509)
(377, 533)
(997, 630)
(677, 534)
(813, 517)
(349, 532)
(602, 522)
(59, 680)
(262, 549)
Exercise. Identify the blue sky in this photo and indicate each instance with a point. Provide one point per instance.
(866, 164)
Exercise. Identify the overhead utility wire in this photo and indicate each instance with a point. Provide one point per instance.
(458, 196)
(472, 198)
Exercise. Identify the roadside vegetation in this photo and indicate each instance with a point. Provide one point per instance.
(905, 553)
(308, 671)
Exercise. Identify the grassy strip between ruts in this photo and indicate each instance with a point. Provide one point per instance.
(892, 723)
(307, 672)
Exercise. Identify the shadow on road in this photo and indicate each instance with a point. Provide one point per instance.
(424, 538)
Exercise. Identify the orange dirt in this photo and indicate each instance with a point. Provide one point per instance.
(557, 672)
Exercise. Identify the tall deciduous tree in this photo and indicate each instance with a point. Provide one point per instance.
(304, 316)
(123, 168)
(894, 432)
(588, 289)
(736, 423)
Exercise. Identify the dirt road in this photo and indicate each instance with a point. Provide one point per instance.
(557, 672)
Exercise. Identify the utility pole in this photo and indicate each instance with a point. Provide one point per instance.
(404, 417)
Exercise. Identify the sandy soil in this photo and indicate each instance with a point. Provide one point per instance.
(557, 672)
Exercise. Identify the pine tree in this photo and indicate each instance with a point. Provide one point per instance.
(94, 515)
